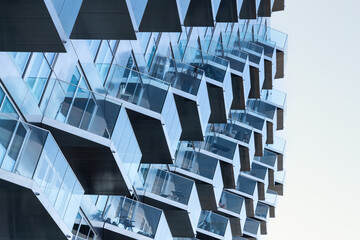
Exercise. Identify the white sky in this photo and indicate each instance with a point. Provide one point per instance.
(322, 192)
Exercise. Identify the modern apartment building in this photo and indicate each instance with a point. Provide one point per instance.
(140, 119)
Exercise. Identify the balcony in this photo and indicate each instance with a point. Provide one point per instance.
(190, 93)
(252, 228)
(268, 160)
(279, 180)
(226, 150)
(229, 11)
(269, 56)
(151, 110)
(243, 135)
(204, 170)
(247, 188)
(88, 128)
(256, 62)
(239, 68)
(262, 214)
(232, 206)
(201, 13)
(280, 38)
(249, 9)
(258, 122)
(128, 219)
(260, 174)
(38, 188)
(99, 20)
(278, 146)
(19, 22)
(213, 226)
(176, 196)
(278, 99)
(218, 78)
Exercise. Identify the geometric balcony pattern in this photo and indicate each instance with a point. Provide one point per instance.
(141, 119)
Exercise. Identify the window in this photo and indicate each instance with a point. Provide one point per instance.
(82, 230)
(21, 60)
(38, 73)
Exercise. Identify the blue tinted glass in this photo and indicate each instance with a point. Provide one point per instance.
(93, 46)
(103, 60)
(8, 108)
(37, 74)
(21, 59)
(1, 96)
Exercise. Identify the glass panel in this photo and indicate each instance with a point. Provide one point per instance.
(137, 88)
(218, 145)
(231, 202)
(246, 185)
(37, 74)
(21, 59)
(132, 216)
(214, 67)
(248, 119)
(93, 46)
(8, 109)
(213, 222)
(195, 162)
(179, 75)
(234, 55)
(262, 108)
(81, 108)
(14, 150)
(274, 96)
(7, 128)
(169, 185)
(103, 60)
(2, 94)
(233, 131)
(76, 224)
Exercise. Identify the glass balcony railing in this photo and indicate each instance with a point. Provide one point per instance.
(213, 223)
(215, 144)
(132, 216)
(274, 96)
(267, 33)
(235, 56)
(270, 197)
(268, 45)
(269, 159)
(213, 66)
(246, 185)
(232, 130)
(137, 88)
(251, 227)
(258, 171)
(195, 162)
(254, 51)
(280, 177)
(179, 75)
(262, 211)
(32, 152)
(278, 145)
(249, 119)
(168, 185)
(231, 202)
(262, 108)
(79, 107)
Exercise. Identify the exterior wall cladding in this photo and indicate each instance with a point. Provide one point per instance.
(165, 128)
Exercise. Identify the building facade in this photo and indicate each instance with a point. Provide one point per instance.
(140, 119)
